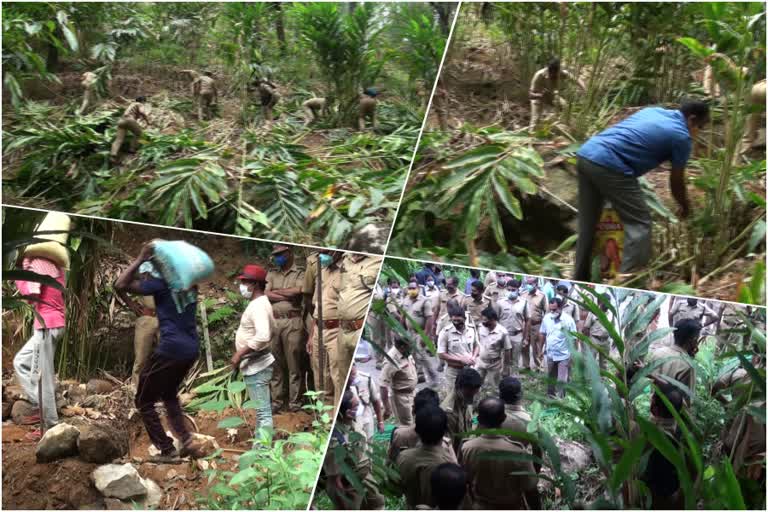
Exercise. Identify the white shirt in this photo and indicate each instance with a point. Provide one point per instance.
(255, 332)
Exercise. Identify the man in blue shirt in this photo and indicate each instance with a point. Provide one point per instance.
(610, 164)
(166, 368)
(553, 332)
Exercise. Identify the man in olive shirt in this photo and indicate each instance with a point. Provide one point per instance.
(284, 291)
(415, 465)
(398, 382)
(405, 436)
(494, 348)
(513, 315)
(476, 303)
(451, 291)
(598, 334)
(537, 308)
(419, 308)
(517, 420)
(458, 404)
(358, 277)
(495, 482)
(330, 262)
(457, 344)
(677, 365)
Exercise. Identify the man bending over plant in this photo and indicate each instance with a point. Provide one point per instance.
(609, 165)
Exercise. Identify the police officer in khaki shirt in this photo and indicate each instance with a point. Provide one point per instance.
(347, 433)
(358, 277)
(676, 366)
(458, 404)
(688, 309)
(517, 420)
(496, 290)
(398, 383)
(537, 308)
(493, 484)
(513, 315)
(370, 412)
(284, 291)
(451, 291)
(419, 309)
(405, 436)
(476, 303)
(494, 348)
(331, 277)
(415, 465)
(457, 344)
(598, 335)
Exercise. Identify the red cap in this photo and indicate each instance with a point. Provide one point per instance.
(253, 273)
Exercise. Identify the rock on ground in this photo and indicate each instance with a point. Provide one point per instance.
(7, 408)
(20, 409)
(100, 445)
(58, 442)
(151, 500)
(119, 481)
(573, 456)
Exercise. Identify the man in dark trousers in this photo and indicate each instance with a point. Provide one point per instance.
(609, 165)
(166, 368)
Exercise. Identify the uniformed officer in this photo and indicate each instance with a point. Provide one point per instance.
(415, 465)
(688, 309)
(570, 308)
(284, 291)
(451, 292)
(90, 94)
(419, 309)
(496, 290)
(476, 303)
(330, 262)
(377, 328)
(347, 433)
(370, 412)
(432, 292)
(458, 404)
(358, 277)
(394, 300)
(677, 366)
(496, 483)
(398, 383)
(457, 344)
(513, 315)
(517, 419)
(494, 349)
(204, 88)
(598, 335)
(537, 308)
(405, 436)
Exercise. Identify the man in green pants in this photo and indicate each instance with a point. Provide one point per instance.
(609, 165)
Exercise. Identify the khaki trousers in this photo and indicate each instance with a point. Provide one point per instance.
(402, 407)
(323, 379)
(345, 354)
(144, 338)
(124, 126)
(287, 383)
(204, 102)
(531, 345)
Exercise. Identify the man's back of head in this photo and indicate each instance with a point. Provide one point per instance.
(425, 397)
(431, 425)
(490, 412)
(511, 390)
(686, 331)
(449, 485)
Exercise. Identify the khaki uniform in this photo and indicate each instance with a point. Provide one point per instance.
(367, 391)
(324, 377)
(378, 328)
(745, 436)
(756, 100)
(420, 310)
(394, 302)
(682, 311)
(357, 281)
(545, 92)
(459, 416)
(537, 308)
(269, 97)
(442, 313)
(89, 91)
(129, 123)
(451, 341)
(353, 439)
(676, 368)
(517, 420)
(415, 466)
(367, 111)
(403, 438)
(313, 107)
(401, 381)
(493, 293)
(599, 336)
(513, 315)
(287, 339)
(475, 308)
(145, 335)
(492, 483)
(434, 296)
(494, 344)
(205, 89)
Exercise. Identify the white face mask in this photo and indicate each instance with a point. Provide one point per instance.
(245, 291)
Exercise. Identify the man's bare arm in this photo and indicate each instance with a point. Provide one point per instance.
(677, 187)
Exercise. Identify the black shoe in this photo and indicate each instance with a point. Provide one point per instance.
(166, 456)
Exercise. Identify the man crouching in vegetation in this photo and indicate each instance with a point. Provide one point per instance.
(609, 165)
(253, 355)
(130, 123)
(166, 368)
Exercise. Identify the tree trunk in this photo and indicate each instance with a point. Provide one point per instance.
(52, 60)
(444, 14)
(280, 27)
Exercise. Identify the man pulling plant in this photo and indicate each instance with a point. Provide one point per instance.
(609, 165)
(545, 89)
(130, 123)
(204, 88)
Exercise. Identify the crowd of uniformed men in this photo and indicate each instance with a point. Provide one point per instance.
(487, 333)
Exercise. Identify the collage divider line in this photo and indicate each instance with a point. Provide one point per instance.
(386, 247)
(423, 124)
